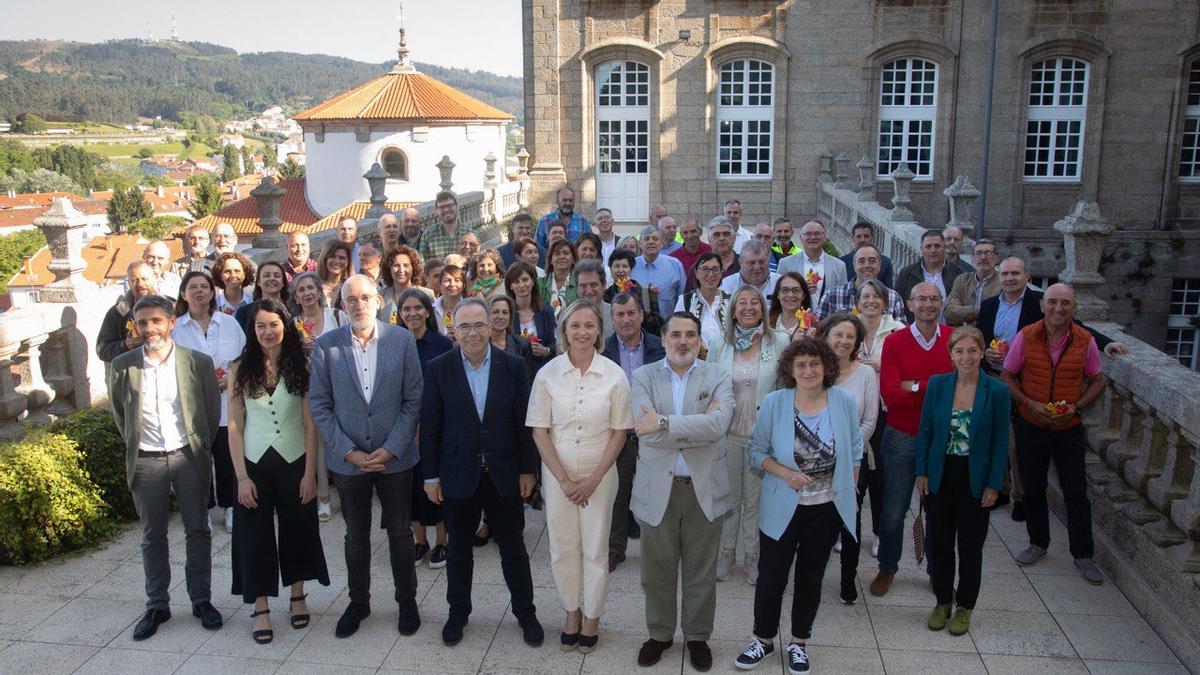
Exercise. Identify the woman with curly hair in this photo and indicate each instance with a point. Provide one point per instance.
(273, 443)
(486, 270)
(233, 273)
(402, 269)
(334, 267)
(557, 288)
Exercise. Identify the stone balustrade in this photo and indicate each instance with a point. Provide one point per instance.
(44, 355)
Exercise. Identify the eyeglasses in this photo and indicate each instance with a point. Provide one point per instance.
(984, 252)
(790, 291)
(478, 328)
(927, 298)
(709, 269)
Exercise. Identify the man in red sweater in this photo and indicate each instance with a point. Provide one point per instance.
(910, 357)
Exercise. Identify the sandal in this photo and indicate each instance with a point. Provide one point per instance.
(265, 635)
(300, 620)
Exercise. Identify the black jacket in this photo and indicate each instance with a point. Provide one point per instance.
(1031, 313)
(110, 343)
(885, 270)
(455, 443)
(654, 349)
(914, 274)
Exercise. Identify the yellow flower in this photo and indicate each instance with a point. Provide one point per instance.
(393, 319)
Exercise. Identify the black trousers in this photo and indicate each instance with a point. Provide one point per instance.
(223, 473)
(960, 519)
(507, 519)
(618, 538)
(1036, 447)
(395, 500)
(258, 563)
(852, 543)
(874, 477)
(808, 539)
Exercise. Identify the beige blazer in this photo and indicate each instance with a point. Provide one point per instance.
(199, 398)
(697, 433)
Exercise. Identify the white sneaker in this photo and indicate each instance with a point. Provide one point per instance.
(752, 571)
(324, 511)
(724, 565)
(229, 520)
(875, 548)
(837, 545)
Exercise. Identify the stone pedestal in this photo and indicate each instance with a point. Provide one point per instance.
(63, 225)
(962, 196)
(445, 168)
(376, 179)
(866, 179)
(1084, 233)
(269, 196)
(902, 179)
(843, 172)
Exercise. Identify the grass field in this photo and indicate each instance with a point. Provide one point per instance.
(113, 150)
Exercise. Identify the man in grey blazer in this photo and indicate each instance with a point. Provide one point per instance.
(365, 396)
(821, 270)
(683, 407)
(167, 406)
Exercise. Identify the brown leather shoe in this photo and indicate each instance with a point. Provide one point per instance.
(882, 583)
(615, 559)
(652, 651)
(700, 655)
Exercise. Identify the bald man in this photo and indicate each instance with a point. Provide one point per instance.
(158, 256)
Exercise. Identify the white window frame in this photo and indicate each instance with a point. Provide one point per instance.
(1185, 298)
(625, 107)
(743, 116)
(1053, 103)
(1188, 170)
(915, 111)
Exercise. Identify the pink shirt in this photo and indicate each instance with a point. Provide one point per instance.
(1015, 358)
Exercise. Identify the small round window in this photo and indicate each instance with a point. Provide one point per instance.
(395, 163)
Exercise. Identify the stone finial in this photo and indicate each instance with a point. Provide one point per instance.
(63, 225)
(843, 172)
(962, 196)
(825, 170)
(866, 179)
(445, 167)
(376, 181)
(403, 64)
(902, 178)
(489, 173)
(269, 196)
(1084, 232)
(523, 163)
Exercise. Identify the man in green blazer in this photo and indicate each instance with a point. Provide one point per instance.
(167, 406)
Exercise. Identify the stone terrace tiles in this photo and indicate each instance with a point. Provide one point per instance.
(76, 614)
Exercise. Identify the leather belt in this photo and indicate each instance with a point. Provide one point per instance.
(683, 480)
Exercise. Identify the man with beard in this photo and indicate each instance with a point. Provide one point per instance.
(565, 213)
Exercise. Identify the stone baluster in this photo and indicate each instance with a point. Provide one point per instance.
(962, 196)
(866, 179)
(843, 172)
(1084, 232)
(56, 369)
(13, 403)
(1147, 464)
(1124, 448)
(825, 170)
(269, 196)
(902, 178)
(1165, 488)
(376, 178)
(1104, 421)
(1185, 511)
(38, 394)
(445, 168)
(523, 164)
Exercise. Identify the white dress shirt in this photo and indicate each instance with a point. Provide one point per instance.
(162, 414)
(731, 283)
(366, 358)
(223, 343)
(678, 391)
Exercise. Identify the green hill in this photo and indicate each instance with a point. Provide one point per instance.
(120, 80)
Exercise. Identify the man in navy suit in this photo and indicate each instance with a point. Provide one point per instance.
(369, 429)
(478, 455)
(631, 348)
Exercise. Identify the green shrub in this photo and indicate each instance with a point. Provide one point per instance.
(103, 452)
(47, 504)
(831, 249)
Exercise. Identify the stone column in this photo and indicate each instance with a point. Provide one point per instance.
(269, 196)
(543, 69)
(63, 225)
(38, 393)
(902, 179)
(843, 172)
(866, 179)
(376, 179)
(825, 173)
(962, 196)
(12, 402)
(445, 167)
(1084, 232)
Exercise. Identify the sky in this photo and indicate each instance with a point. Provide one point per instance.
(475, 34)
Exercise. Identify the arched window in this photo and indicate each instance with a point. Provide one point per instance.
(745, 115)
(395, 163)
(907, 115)
(1057, 112)
(623, 138)
(1189, 153)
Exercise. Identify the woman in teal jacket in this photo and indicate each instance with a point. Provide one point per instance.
(962, 454)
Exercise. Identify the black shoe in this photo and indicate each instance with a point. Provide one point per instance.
(615, 559)
(531, 630)
(209, 617)
(1018, 511)
(351, 618)
(568, 641)
(452, 632)
(633, 529)
(300, 620)
(151, 620)
(437, 559)
(700, 655)
(849, 591)
(419, 552)
(483, 541)
(263, 636)
(652, 651)
(410, 619)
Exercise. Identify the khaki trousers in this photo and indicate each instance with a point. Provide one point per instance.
(579, 542)
(739, 533)
(685, 538)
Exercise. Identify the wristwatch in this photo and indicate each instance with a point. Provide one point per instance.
(662, 422)
(915, 386)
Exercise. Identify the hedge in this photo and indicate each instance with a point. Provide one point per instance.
(94, 431)
(48, 505)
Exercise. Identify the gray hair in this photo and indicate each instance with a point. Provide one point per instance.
(473, 302)
(360, 277)
(755, 246)
(164, 305)
(717, 222)
(881, 290)
(589, 265)
(650, 229)
(316, 279)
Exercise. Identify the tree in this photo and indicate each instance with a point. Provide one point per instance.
(145, 153)
(247, 159)
(229, 160)
(269, 153)
(71, 161)
(207, 200)
(291, 169)
(39, 180)
(30, 124)
(127, 207)
(14, 248)
(13, 155)
(156, 228)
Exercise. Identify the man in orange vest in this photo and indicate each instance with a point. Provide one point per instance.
(1053, 371)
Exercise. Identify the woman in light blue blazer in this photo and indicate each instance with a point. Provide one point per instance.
(962, 454)
(808, 443)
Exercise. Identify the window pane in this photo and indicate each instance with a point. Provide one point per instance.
(745, 110)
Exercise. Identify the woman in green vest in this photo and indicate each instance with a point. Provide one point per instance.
(273, 444)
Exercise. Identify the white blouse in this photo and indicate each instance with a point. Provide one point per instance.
(222, 343)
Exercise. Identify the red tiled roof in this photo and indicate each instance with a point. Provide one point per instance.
(105, 259)
(402, 96)
(30, 200)
(355, 210)
(243, 214)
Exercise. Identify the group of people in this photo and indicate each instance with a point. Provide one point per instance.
(730, 402)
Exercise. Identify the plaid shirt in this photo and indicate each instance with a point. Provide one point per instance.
(845, 298)
(435, 243)
(577, 226)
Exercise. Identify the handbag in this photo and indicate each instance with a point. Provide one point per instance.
(918, 532)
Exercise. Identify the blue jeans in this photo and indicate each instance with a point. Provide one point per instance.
(899, 474)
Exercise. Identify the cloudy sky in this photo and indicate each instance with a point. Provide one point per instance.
(477, 34)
